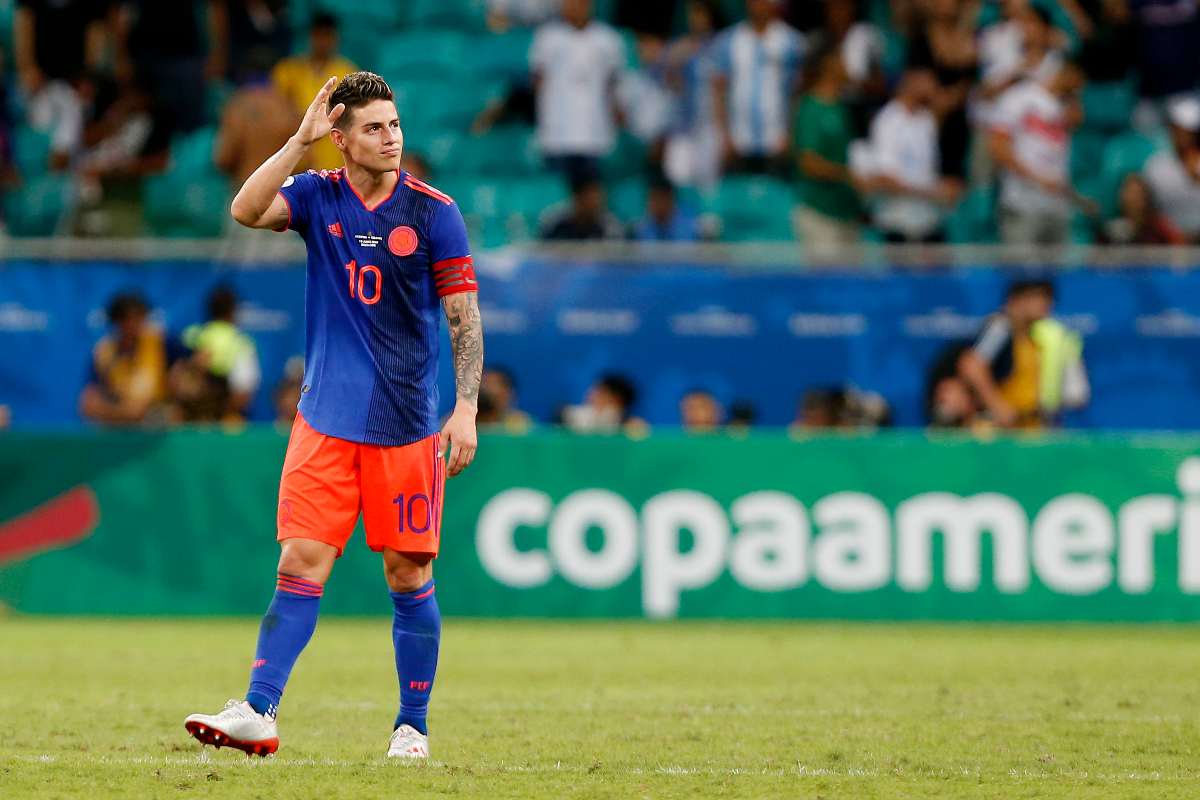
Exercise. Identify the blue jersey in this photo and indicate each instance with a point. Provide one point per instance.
(372, 296)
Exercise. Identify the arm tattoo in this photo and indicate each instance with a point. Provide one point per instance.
(466, 339)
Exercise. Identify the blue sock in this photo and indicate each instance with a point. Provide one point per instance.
(416, 632)
(286, 629)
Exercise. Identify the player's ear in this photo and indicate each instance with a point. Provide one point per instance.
(339, 138)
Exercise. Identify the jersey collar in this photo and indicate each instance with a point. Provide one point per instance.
(399, 180)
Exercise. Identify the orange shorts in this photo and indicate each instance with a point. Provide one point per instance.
(327, 481)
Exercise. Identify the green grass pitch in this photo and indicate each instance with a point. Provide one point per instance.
(94, 709)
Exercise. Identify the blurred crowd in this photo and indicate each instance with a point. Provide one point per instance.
(1023, 370)
(881, 118)
(873, 141)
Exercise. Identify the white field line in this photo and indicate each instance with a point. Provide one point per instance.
(800, 770)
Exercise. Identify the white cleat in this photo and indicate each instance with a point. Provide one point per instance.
(408, 742)
(238, 725)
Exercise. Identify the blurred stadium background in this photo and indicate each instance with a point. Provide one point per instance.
(832, 309)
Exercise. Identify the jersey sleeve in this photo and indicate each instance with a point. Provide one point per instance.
(992, 339)
(300, 194)
(450, 253)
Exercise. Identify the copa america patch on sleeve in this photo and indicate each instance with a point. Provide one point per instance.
(290, 180)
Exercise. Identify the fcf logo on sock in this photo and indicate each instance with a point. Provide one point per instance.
(420, 686)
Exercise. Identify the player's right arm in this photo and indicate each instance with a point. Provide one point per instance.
(258, 203)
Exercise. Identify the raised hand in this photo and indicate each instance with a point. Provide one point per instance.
(319, 119)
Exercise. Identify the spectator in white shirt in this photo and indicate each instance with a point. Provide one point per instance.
(905, 166)
(1174, 174)
(505, 14)
(576, 62)
(693, 149)
(1025, 44)
(1030, 142)
(757, 70)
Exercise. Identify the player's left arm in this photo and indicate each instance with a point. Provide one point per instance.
(453, 276)
(466, 341)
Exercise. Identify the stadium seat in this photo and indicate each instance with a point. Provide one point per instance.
(528, 198)
(1123, 154)
(413, 54)
(464, 15)
(501, 212)
(628, 156)
(7, 8)
(1108, 106)
(193, 153)
(430, 105)
(503, 55)
(379, 16)
(627, 199)
(753, 208)
(973, 221)
(31, 151)
(1087, 153)
(191, 198)
(181, 204)
(505, 150)
(37, 207)
(363, 26)
(442, 150)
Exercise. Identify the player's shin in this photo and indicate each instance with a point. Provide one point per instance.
(286, 629)
(416, 633)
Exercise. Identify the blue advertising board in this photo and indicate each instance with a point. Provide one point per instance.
(763, 337)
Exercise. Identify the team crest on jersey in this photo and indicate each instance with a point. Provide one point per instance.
(402, 241)
(285, 512)
(336, 230)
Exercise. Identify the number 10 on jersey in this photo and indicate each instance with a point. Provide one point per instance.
(357, 278)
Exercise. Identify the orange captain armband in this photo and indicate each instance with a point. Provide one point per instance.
(454, 275)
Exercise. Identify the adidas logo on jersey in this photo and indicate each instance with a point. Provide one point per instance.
(336, 230)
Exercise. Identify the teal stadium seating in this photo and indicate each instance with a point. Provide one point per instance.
(190, 199)
(509, 150)
(432, 106)
(409, 55)
(31, 151)
(503, 55)
(460, 14)
(752, 209)
(37, 207)
(7, 7)
(1123, 154)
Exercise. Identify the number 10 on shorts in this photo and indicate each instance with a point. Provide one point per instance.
(416, 509)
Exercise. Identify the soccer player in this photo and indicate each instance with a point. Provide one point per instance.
(383, 247)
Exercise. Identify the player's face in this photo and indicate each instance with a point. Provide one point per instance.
(373, 139)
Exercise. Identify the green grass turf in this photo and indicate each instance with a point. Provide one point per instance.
(94, 709)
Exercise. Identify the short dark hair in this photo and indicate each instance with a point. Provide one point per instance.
(1030, 286)
(582, 186)
(222, 302)
(742, 412)
(357, 90)
(323, 20)
(620, 386)
(125, 305)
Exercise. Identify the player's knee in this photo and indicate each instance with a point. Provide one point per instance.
(407, 573)
(310, 560)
